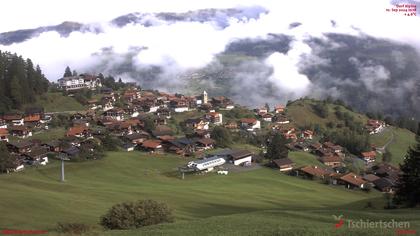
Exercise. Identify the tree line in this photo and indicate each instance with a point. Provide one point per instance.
(20, 81)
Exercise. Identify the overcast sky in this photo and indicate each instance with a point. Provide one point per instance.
(185, 47)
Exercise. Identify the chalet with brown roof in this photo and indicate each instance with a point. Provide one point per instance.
(307, 134)
(386, 185)
(238, 157)
(222, 102)
(197, 124)
(261, 111)
(313, 172)
(120, 128)
(20, 131)
(179, 104)
(386, 170)
(152, 146)
(279, 109)
(36, 156)
(35, 118)
(315, 146)
(14, 119)
(107, 103)
(137, 138)
(267, 117)
(4, 135)
(375, 126)
(205, 143)
(215, 118)
(182, 146)
(333, 147)
(368, 157)
(78, 131)
(250, 124)
(331, 160)
(115, 113)
(284, 164)
(370, 178)
(352, 180)
(53, 145)
(130, 95)
(19, 147)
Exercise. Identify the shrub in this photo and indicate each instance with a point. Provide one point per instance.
(129, 215)
(73, 228)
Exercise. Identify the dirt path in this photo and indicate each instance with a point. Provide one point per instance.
(391, 140)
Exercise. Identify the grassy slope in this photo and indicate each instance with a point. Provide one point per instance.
(282, 222)
(56, 102)
(92, 187)
(302, 113)
(398, 148)
(382, 138)
(304, 158)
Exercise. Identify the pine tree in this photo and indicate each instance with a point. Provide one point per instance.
(67, 72)
(16, 92)
(6, 160)
(277, 147)
(408, 189)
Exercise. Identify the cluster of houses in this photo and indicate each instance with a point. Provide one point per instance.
(82, 81)
(208, 163)
(127, 123)
(22, 125)
(276, 116)
(383, 176)
(374, 126)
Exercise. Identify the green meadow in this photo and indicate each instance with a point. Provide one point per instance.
(257, 202)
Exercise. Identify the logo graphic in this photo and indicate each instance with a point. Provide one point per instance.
(340, 220)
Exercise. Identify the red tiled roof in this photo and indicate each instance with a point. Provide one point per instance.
(249, 120)
(314, 170)
(371, 154)
(353, 179)
(73, 131)
(330, 158)
(151, 144)
(12, 117)
(32, 118)
(166, 137)
(4, 132)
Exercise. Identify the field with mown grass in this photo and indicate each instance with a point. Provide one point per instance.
(401, 140)
(258, 202)
(56, 102)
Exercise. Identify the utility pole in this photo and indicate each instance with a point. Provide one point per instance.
(62, 170)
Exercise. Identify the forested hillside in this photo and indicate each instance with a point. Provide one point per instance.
(20, 81)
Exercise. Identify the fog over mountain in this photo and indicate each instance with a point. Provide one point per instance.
(257, 52)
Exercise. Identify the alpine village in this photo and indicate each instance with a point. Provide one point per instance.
(91, 120)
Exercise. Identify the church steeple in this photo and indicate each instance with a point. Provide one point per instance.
(205, 97)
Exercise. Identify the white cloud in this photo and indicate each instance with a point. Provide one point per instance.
(286, 73)
(190, 45)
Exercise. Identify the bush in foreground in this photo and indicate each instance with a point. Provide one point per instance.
(73, 228)
(129, 215)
